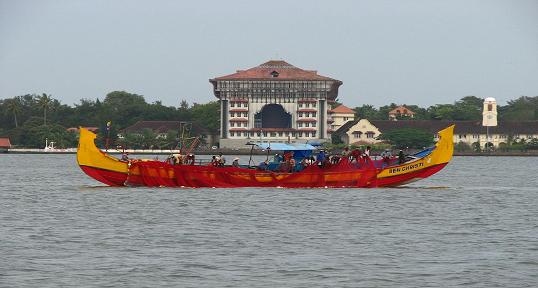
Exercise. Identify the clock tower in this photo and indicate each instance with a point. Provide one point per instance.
(489, 114)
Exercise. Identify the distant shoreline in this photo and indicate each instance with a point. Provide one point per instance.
(244, 152)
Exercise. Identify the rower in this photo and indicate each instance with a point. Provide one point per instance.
(235, 163)
(401, 157)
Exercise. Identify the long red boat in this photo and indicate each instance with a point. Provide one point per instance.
(345, 173)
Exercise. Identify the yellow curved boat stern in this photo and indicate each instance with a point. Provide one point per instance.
(98, 164)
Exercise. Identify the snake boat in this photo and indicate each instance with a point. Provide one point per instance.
(345, 173)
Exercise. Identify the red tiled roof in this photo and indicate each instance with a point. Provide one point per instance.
(4, 143)
(268, 70)
(401, 110)
(342, 109)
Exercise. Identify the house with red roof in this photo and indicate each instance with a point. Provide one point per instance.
(401, 111)
(274, 101)
(5, 144)
(339, 116)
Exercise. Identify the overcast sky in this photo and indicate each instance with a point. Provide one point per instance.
(414, 52)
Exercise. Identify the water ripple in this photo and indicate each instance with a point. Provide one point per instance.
(458, 228)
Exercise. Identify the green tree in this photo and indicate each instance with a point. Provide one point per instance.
(207, 115)
(335, 139)
(523, 108)
(468, 108)
(172, 139)
(442, 112)
(408, 138)
(183, 105)
(123, 108)
(383, 113)
(476, 146)
(35, 136)
(148, 139)
(44, 102)
(533, 144)
(14, 106)
(462, 147)
(366, 111)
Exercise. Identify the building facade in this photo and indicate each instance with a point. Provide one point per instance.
(275, 102)
(488, 130)
(339, 116)
(366, 131)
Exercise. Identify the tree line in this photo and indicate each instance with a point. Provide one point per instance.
(523, 108)
(29, 119)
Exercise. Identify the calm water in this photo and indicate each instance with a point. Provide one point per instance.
(475, 224)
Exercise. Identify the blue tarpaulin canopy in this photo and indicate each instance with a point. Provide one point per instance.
(286, 146)
(300, 150)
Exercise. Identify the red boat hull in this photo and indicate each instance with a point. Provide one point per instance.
(201, 176)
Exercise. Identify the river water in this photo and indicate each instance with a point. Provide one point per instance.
(475, 224)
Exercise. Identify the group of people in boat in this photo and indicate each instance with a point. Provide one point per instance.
(181, 159)
(218, 161)
(286, 162)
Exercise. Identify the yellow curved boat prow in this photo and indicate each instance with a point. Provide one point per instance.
(442, 154)
(89, 155)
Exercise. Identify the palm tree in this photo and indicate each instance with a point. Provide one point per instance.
(44, 102)
(14, 106)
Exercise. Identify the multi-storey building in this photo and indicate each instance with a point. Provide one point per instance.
(276, 102)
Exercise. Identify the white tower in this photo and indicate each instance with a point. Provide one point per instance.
(489, 118)
(489, 114)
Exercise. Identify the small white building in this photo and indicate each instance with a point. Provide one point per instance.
(339, 116)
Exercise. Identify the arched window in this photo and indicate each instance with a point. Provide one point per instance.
(273, 116)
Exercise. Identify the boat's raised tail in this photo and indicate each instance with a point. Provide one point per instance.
(422, 167)
(97, 164)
